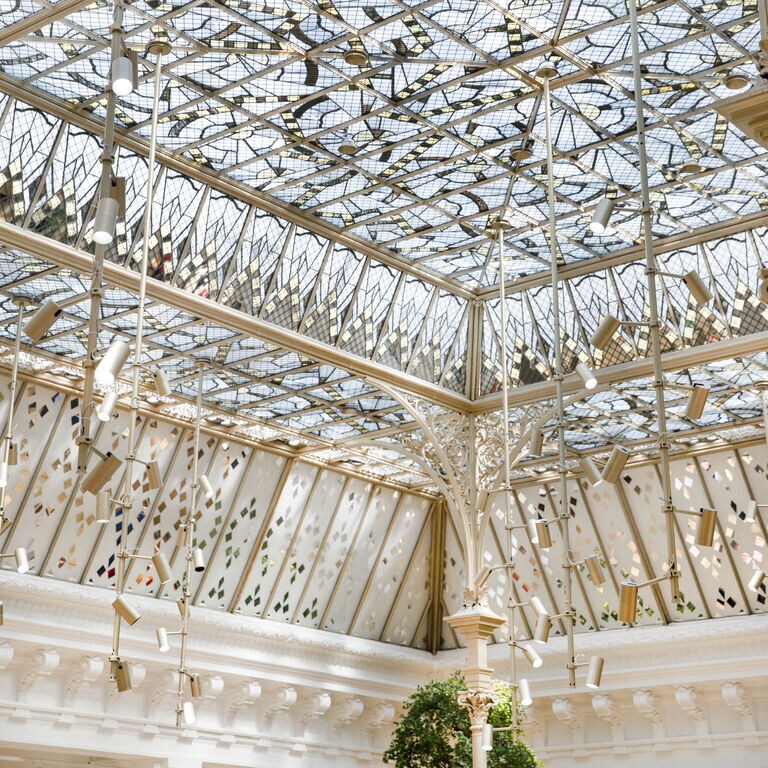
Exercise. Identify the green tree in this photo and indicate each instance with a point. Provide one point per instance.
(433, 731)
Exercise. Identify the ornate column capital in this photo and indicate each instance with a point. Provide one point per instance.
(478, 703)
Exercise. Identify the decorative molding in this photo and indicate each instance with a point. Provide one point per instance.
(316, 705)
(688, 700)
(381, 716)
(349, 710)
(249, 694)
(6, 655)
(478, 702)
(605, 708)
(43, 663)
(281, 700)
(734, 696)
(88, 670)
(564, 710)
(646, 704)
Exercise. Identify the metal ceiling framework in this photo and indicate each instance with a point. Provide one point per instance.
(320, 287)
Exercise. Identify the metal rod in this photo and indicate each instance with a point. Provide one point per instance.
(189, 540)
(650, 271)
(562, 468)
(127, 498)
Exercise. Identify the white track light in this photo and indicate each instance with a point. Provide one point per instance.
(160, 381)
(153, 475)
(696, 401)
(43, 318)
(590, 470)
(705, 530)
(487, 737)
(525, 692)
(586, 375)
(189, 713)
(602, 215)
(543, 537)
(102, 471)
(122, 76)
(605, 331)
(205, 483)
(697, 288)
(22, 563)
(13, 454)
(105, 223)
(194, 686)
(128, 613)
(538, 606)
(162, 566)
(530, 653)
(198, 559)
(103, 507)
(595, 671)
(541, 632)
(628, 602)
(595, 570)
(758, 577)
(750, 511)
(123, 677)
(112, 363)
(615, 464)
(162, 639)
(107, 407)
(3, 474)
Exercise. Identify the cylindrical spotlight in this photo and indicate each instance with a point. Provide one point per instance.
(194, 686)
(198, 559)
(162, 566)
(13, 454)
(586, 374)
(615, 464)
(22, 563)
(107, 407)
(758, 577)
(542, 534)
(181, 604)
(487, 737)
(160, 381)
(627, 602)
(697, 287)
(123, 676)
(750, 511)
(541, 633)
(112, 363)
(525, 692)
(162, 639)
(530, 653)
(595, 570)
(205, 484)
(536, 444)
(189, 713)
(103, 507)
(696, 401)
(129, 614)
(3, 474)
(43, 318)
(102, 471)
(605, 331)
(106, 220)
(595, 671)
(590, 470)
(538, 606)
(602, 215)
(705, 530)
(153, 475)
(122, 76)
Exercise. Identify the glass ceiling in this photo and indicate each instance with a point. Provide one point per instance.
(263, 96)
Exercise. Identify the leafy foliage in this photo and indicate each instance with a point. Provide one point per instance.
(434, 730)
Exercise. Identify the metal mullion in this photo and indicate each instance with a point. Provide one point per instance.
(347, 557)
(227, 274)
(35, 21)
(95, 47)
(420, 336)
(276, 272)
(38, 191)
(321, 547)
(583, 335)
(393, 607)
(703, 252)
(296, 532)
(395, 298)
(723, 538)
(315, 287)
(225, 522)
(617, 294)
(375, 565)
(466, 315)
(184, 251)
(640, 544)
(150, 511)
(353, 300)
(278, 492)
(6, 287)
(544, 350)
